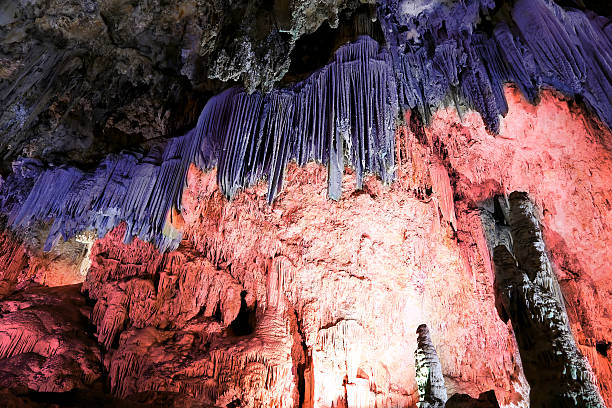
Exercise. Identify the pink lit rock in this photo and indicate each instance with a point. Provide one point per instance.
(315, 303)
(563, 161)
(43, 342)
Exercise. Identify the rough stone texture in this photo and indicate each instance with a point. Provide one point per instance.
(562, 160)
(346, 109)
(220, 235)
(87, 398)
(188, 327)
(389, 257)
(43, 342)
(254, 39)
(81, 78)
(22, 264)
(430, 382)
(336, 290)
(529, 295)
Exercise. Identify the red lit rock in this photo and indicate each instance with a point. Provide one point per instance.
(563, 161)
(362, 274)
(13, 263)
(21, 264)
(43, 342)
(312, 302)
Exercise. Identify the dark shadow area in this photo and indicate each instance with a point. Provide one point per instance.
(314, 51)
(244, 323)
(485, 400)
(602, 348)
(601, 7)
(94, 399)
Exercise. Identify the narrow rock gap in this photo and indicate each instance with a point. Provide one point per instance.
(244, 323)
(303, 363)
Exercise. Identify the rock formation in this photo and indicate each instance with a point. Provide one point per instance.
(529, 295)
(432, 391)
(258, 204)
(484, 400)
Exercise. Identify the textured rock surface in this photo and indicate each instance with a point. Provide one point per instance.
(429, 378)
(529, 295)
(43, 342)
(346, 108)
(79, 79)
(568, 176)
(332, 345)
(281, 297)
(21, 265)
(255, 306)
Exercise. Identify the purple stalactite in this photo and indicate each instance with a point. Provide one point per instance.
(343, 114)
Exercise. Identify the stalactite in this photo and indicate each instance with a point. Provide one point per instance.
(344, 114)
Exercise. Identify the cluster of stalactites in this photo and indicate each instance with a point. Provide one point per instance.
(544, 45)
(139, 189)
(343, 114)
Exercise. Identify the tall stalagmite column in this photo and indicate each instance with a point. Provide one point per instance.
(529, 295)
(432, 392)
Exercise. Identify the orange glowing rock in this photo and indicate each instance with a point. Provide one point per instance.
(314, 302)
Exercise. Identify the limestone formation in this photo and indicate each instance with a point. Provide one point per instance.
(429, 378)
(529, 295)
(257, 204)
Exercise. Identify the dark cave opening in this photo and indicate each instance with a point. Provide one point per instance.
(498, 213)
(603, 347)
(217, 316)
(244, 323)
(601, 7)
(234, 404)
(315, 50)
(311, 51)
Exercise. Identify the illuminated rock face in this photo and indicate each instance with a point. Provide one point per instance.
(43, 344)
(208, 284)
(19, 266)
(316, 302)
(563, 161)
(334, 319)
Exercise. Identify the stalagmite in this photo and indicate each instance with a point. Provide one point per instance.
(530, 297)
(429, 377)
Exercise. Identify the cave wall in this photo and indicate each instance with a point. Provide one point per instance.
(213, 264)
(317, 302)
